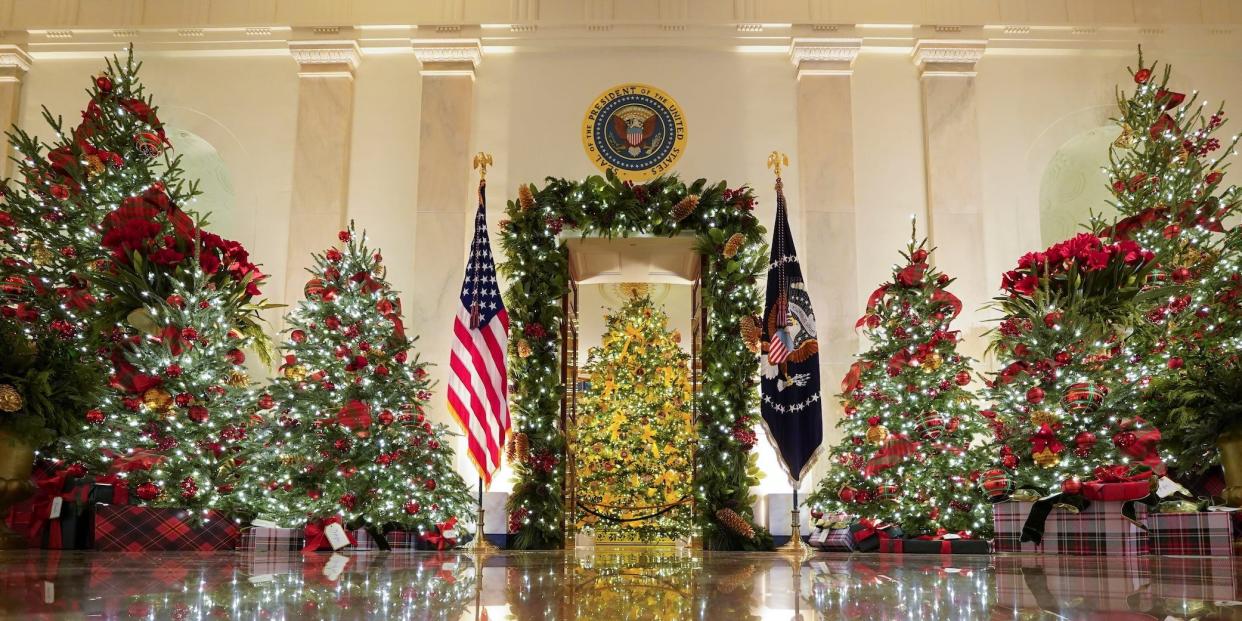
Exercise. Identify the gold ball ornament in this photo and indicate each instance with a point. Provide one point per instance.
(295, 372)
(1043, 417)
(685, 207)
(41, 255)
(10, 399)
(1046, 458)
(734, 245)
(523, 349)
(932, 362)
(157, 400)
(877, 434)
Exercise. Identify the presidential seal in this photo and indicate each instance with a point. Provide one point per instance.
(635, 130)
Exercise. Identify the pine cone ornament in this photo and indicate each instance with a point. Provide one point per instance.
(734, 522)
(519, 448)
(685, 207)
(526, 199)
(10, 399)
(750, 332)
(734, 245)
(523, 349)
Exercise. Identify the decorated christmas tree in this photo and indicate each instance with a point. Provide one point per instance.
(635, 431)
(172, 424)
(346, 435)
(50, 244)
(1063, 400)
(909, 418)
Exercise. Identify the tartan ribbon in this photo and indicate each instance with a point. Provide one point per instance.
(438, 539)
(316, 534)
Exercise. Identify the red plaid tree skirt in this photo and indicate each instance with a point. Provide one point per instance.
(1100, 530)
(1191, 534)
(136, 529)
(259, 539)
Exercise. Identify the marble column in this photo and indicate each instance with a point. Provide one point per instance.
(954, 186)
(320, 152)
(445, 204)
(825, 160)
(14, 64)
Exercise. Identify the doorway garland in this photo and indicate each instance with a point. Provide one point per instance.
(537, 269)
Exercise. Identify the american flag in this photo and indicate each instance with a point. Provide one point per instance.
(478, 387)
(780, 346)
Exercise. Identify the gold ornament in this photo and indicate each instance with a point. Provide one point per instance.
(295, 372)
(1043, 417)
(734, 245)
(526, 199)
(157, 400)
(94, 166)
(41, 255)
(1046, 458)
(10, 399)
(932, 362)
(736, 523)
(523, 348)
(676, 336)
(238, 379)
(1126, 139)
(877, 434)
(685, 207)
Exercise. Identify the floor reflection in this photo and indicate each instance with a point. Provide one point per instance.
(612, 584)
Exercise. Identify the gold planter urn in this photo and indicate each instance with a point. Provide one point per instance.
(1230, 446)
(16, 462)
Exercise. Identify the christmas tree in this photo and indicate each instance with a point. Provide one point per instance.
(173, 423)
(346, 434)
(635, 435)
(909, 418)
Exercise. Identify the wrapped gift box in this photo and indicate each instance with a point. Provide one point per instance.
(1101, 529)
(1191, 534)
(362, 538)
(1072, 586)
(131, 528)
(833, 539)
(263, 539)
(1201, 579)
(937, 546)
(868, 537)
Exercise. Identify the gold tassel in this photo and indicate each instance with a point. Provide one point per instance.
(734, 245)
(736, 523)
(525, 198)
(685, 207)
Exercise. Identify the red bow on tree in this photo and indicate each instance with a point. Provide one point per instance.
(853, 378)
(141, 459)
(940, 296)
(891, 453)
(1046, 438)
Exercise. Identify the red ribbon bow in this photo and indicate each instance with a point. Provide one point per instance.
(438, 539)
(48, 488)
(317, 537)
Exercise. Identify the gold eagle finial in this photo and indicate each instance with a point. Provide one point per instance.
(777, 159)
(481, 162)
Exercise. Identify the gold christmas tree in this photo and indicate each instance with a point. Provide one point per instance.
(635, 435)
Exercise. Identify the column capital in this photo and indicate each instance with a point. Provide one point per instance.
(448, 56)
(14, 63)
(325, 59)
(944, 57)
(824, 56)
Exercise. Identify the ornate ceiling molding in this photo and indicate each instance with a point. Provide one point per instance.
(14, 58)
(448, 56)
(325, 58)
(942, 57)
(824, 56)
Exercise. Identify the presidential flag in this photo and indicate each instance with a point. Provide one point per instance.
(478, 386)
(789, 358)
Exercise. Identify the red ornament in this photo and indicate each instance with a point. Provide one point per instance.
(94, 416)
(332, 322)
(198, 413)
(297, 336)
(1053, 318)
(847, 494)
(1142, 76)
(1009, 461)
(918, 256)
(1035, 395)
(349, 501)
(176, 301)
(962, 378)
(173, 370)
(988, 414)
(148, 491)
(412, 508)
(333, 255)
(995, 483)
(386, 417)
(1062, 358)
(1125, 439)
(429, 485)
(236, 356)
(59, 192)
(314, 494)
(266, 402)
(1071, 486)
(1172, 231)
(1176, 363)
(873, 420)
(343, 236)
(341, 444)
(103, 83)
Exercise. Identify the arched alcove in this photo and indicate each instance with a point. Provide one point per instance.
(1072, 186)
(202, 162)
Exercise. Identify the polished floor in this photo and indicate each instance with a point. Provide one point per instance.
(610, 584)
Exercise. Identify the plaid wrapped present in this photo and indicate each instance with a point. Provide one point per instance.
(271, 562)
(870, 536)
(261, 539)
(131, 528)
(1072, 586)
(833, 534)
(317, 540)
(1204, 579)
(405, 540)
(940, 546)
(1100, 529)
(1191, 534)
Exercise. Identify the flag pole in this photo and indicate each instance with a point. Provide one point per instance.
(480, 545)
(796, 546)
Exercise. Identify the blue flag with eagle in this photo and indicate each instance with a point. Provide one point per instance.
(789, 352)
